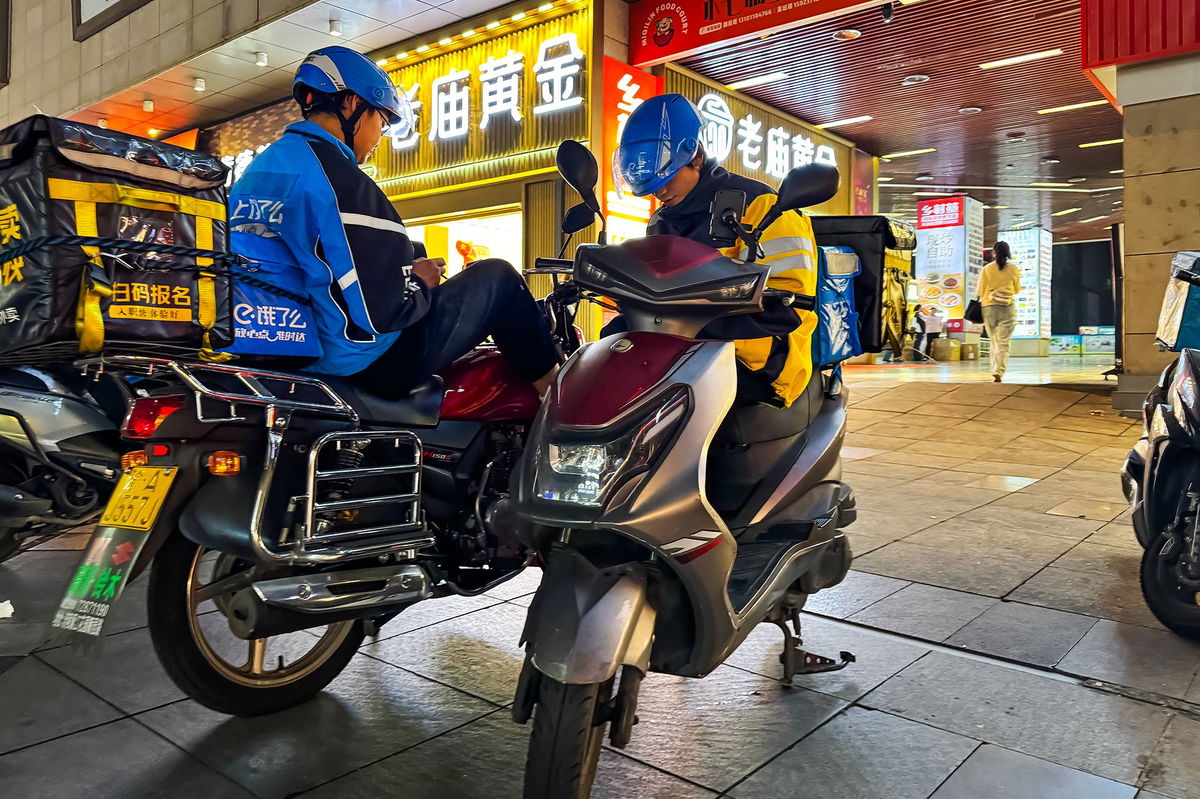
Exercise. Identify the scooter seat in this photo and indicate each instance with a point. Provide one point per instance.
(419, 408)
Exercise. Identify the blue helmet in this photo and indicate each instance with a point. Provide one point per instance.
(661, 137)
(335, 69)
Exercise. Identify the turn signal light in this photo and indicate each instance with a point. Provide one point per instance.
(223, 463)
(136, 458)
(146, 414)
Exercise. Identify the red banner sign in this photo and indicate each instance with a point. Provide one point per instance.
(668, 30)
(625, 88)
(940, 213)
(864, 184)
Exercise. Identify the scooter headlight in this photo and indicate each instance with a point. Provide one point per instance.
(582, 473)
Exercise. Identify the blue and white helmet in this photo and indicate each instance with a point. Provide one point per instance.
(334, 69)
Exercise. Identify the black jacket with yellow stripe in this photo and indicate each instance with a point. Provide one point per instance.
(775, 345)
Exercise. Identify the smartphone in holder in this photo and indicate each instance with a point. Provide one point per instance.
(724, 202)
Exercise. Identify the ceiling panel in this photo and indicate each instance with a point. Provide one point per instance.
(383, 10)
(316, 18)
(947, 40)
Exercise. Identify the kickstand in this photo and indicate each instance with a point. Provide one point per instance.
(796, 660)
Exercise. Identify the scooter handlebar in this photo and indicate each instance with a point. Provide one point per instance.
(551, 266)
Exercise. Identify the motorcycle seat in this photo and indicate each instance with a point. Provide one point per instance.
(419, 408)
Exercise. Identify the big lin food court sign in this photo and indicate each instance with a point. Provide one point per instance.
(669, 30)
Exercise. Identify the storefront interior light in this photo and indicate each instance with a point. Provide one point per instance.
(1020, 225)
(381, 62)
(906, 153)
(102, 122)
(1073, 107)
(467, 34)
(996, 207)
(970, 110)
(491, 26)
(1093, 219)
(925, 178)
(883, 179)
(932, 194)
(517, 17)
(402, 56)
(757, 81)
(1077, 179)
(1116, 171)
(153, 132)
(1066, 211)
(1047, 185)
(544, 7)
(847, 34)
(445, 41)
(1022, 59)
(841, 122)
(1104, 143)
(423, 48)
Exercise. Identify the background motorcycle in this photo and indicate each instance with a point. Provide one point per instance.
(58, 451)
(283, 516)
(1161, 478)
(669, 524)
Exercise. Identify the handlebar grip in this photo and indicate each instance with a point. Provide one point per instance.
(791, 300)
(559, 266)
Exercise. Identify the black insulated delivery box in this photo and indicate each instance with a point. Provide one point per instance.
(58, 300)
(884, 247)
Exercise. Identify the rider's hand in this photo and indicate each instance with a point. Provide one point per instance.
(431, 271)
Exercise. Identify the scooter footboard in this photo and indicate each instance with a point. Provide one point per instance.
(585, 622)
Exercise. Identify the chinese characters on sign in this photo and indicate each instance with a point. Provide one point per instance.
(557, 73)
(160, 303)
(10, 232)
(945, 265)
(1032, 253)
(625, 88)
(773, 152)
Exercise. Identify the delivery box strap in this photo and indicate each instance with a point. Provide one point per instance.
(151, 199)
(38, 243)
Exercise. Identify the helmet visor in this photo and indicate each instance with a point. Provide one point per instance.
(643, 167)
(402, 120)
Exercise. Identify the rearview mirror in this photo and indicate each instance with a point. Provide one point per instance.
(577, 218)
(578, 167)
(808, 185)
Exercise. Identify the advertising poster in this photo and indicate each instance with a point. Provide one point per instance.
(941, 257)
(1032, 254)
(864, 184)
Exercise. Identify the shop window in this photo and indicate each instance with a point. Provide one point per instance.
(464, 239)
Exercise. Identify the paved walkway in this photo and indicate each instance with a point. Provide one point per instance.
(1003, 651)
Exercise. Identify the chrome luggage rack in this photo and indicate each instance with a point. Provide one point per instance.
(281, 395)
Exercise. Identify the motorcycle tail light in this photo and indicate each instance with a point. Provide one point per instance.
(158, 450)
(223, 463)
(136, 458)
(147, 414)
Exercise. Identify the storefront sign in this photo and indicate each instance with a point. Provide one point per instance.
(947, 267)
(1032, 253)
(512, 96)
(666, 30)
(750, 139)
(625, 88)
(92, 16)
(864, 183)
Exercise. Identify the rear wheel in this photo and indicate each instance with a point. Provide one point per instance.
(187, 606)
(568, 730)
(1170, 598)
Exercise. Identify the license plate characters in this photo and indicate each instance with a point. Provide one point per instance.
(139, 497)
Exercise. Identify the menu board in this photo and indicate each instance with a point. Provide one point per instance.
(1032, 251)
(948, 256)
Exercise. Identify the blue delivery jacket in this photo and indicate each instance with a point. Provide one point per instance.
(313, 223)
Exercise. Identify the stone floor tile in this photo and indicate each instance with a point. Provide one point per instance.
(980, 570)
(876, 755)
(1116, 599)
(851, 453)
(1052, 394)
(477, 653)
(1014, 469)
(902, 425)
(878, 517)
(882, 443)
(924, 611)
(1089, 424)
(1116, 562)
(1043, 716)
(947, 410)
(886, 402)
(966, 536)
(852, 594)
(862, 543)
(1005, 416)
(1020, 452)
(870, 482)
(67, 542)
(486, 758)
(34, 583)
(1005, 521)
(524, 583)
(1117, 534)
(906, 459)
(1173, 768)
(1101, 490)
(877, 656)
(952, 477)
(370, 711)
(1089, 509)
(1038, 503)
(897, 471)
(432, 611)
(993, 772)
(1151, 795)
(930, 448)
(859, 418)
(1152, 660)
(1024, 633)
(952, 502)
(715, 730)
(121, 669)
(1035, 405)
(38, 704)
(1002, 482)
(120, 759)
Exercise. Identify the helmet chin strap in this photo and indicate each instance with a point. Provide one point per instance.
(351, 122)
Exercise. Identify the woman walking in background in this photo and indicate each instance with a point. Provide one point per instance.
(999, 285)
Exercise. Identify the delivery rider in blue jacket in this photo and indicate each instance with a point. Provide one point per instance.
(315, 224)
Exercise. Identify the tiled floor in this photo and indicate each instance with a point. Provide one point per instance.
(995, 573)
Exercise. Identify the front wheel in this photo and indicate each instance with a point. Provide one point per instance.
(1171, 602)
(213, 666)
(564, 748)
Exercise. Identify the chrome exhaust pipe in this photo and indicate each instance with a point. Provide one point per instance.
(297, 602)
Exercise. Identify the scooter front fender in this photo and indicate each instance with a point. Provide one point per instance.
(585, 622)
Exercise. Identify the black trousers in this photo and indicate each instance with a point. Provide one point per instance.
(488, 298)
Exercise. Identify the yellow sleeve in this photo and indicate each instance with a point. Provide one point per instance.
(788, 247)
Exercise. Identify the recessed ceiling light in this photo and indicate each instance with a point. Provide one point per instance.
(402, 56)
(906, 153)
(1066, 211)
(199, 85)
(841, 122)
(1079, 179)
(1116, 171)
(847, 35)
(1051, 160)
(1104, 143)
(148, 105)
(492, 25)
(913, 80)
(1020, 225)
(520, 15)
(1046, 185)
(1072, 107)
(260, 59)
(924, 178)
(1093, 219)
(445, 41)
(467, 34)
(544, 7)
(423, 48)
(757, 81)
(1021, 59)
(932, 194)
(335, 27)
(1016, 137)
(968, 110)
(997, 207)
(102, 122)
(380, 62)
(883, 179)
(153, 131)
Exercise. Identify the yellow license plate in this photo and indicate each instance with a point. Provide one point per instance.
(139, 497)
